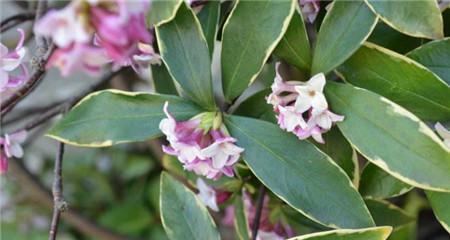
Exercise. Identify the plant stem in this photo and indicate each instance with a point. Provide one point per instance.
(59, 205)
(259, 207)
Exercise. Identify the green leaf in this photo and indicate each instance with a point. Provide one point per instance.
(240, 219)
(375, 233)
(162, 81)
(185, 52)
(416, 18)
(387, 214)
(299, 174)
(256, 106)
(250, 34)
(400, 79)
(439, 202)
(435, 56)
(183, 215)
(294, 47)
(345, 27)
(340, 150)
(391, 137)
(378, 184)
(385, 36)
(209, 18)
(162, 11)
(110, 117)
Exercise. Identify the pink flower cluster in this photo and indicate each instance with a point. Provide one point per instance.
(267, 230)
(92, 33)
(10, 147)
(205, 150)
(9, 62)
(295, 101)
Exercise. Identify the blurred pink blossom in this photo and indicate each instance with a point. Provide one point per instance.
(9, 62)
(105, 31)
(11, 147)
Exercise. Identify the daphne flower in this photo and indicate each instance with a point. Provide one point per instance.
(10, 61)
(444, 133)
(11, 147)
(289, 119)
(310, 9)
(65, 26)
(310, 94)
(301, 107)
(78, 56)
(223, 152)
(202, 148)
(207, 195)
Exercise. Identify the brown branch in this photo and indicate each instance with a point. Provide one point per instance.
(38, 192)
(59, 205)
(259, 207)
(30, 85)
(15, 20)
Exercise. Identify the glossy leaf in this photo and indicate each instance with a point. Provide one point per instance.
(209, 18)
(400, 79)
(256, 106)
(435, 56)
(340, 150)
(305, 178)
(416, 18)
(294, 47)
(162, 81)
(378, 184)
(385, 36)
(387, 214)
(391, 137)
(250, 34)
(185, 52)
(240, 219)
(440, 203)
(345, 27)
(375, 233)
(110, 117)
(183, 215)
(162, 11)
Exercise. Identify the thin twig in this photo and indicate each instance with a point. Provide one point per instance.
(41, 8)
(64, 105)
(259, 207)
(15, 20)
(30, 84)
(59, 205)
(43, 54)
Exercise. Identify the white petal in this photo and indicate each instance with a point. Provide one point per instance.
(211, 150)
(323, 120)
(303, 103)
(16, 150)
(219, 160)
(317, 82)
(319, 101)
(4, 78)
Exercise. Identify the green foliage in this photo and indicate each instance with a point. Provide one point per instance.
(345, 27)
(391, 137)
(250, 34)
(183, 215)
(185, 52)
(306, 178)
(390, 92)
